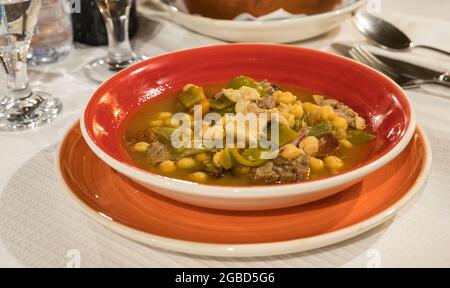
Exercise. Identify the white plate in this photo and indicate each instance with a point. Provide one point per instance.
(275, 31)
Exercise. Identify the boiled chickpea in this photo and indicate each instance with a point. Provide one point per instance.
(217, 158)
(201, 157)
(296, 110)
(340, 134)
(198, 177)
(327, 113)
(284, 97)
(333, 162)
(310, 107)
(316, 164)
(310, 145)
(186, 163)
(283, 120)
(345, 143)
(241, 171)
(167, 166)
(140, 146)
(168, 122)
(291, 120)
(290, 152)
(340, 123)
(205, 106)
(156, 123)
(164, 115)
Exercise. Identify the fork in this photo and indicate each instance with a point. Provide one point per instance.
(361, 54)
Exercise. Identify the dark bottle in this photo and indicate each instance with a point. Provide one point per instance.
(89, 27)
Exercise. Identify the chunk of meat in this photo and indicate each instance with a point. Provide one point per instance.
(267, 102)
(328, 145)
(157, 153)
(342, 110)
(216, 173)
(142, 135)
(212, 169)
(268, 87)
(281, 170)
(302, 133)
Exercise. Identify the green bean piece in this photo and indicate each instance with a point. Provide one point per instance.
(229, 109)
(186, 152)
(242, 80)
(359, 136)
(224, 159)
(193, 95)
(221, 103)
(298, 124)
(163, 133)
(320, 129)
(253, 153)
(286, 135)
(241, 159)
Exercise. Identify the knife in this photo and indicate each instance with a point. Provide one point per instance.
(406, 69)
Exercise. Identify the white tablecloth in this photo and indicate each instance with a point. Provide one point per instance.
(39, 226)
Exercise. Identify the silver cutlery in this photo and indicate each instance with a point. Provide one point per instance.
(412, 70)
(364, 56)
(170, 4)
(386, 35)
(405, 74)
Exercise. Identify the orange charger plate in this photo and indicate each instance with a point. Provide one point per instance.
(142, 215)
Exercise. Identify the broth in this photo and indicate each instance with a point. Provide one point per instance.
(139, 120)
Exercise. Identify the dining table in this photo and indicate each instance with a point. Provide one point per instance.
(41, 227)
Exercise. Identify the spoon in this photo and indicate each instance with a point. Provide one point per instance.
(385, 34)
(170, 4)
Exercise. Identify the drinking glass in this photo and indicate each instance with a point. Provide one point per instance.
(116, 14)
(22, 107)
(52, 39)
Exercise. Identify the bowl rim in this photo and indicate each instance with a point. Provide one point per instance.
(245, 192)
(249, 24)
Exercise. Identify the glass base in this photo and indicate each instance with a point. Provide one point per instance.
(42, 56)
(35, 110)
(100, 70)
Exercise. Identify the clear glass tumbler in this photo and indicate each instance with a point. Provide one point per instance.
(52, 39)
(21, 107)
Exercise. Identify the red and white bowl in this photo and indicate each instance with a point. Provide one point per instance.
(375, 97)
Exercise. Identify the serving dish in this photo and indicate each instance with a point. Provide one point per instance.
(129, 209)
(229, 9)
(374, 96)
(274, 31)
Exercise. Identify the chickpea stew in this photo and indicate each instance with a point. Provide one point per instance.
(317, 136)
